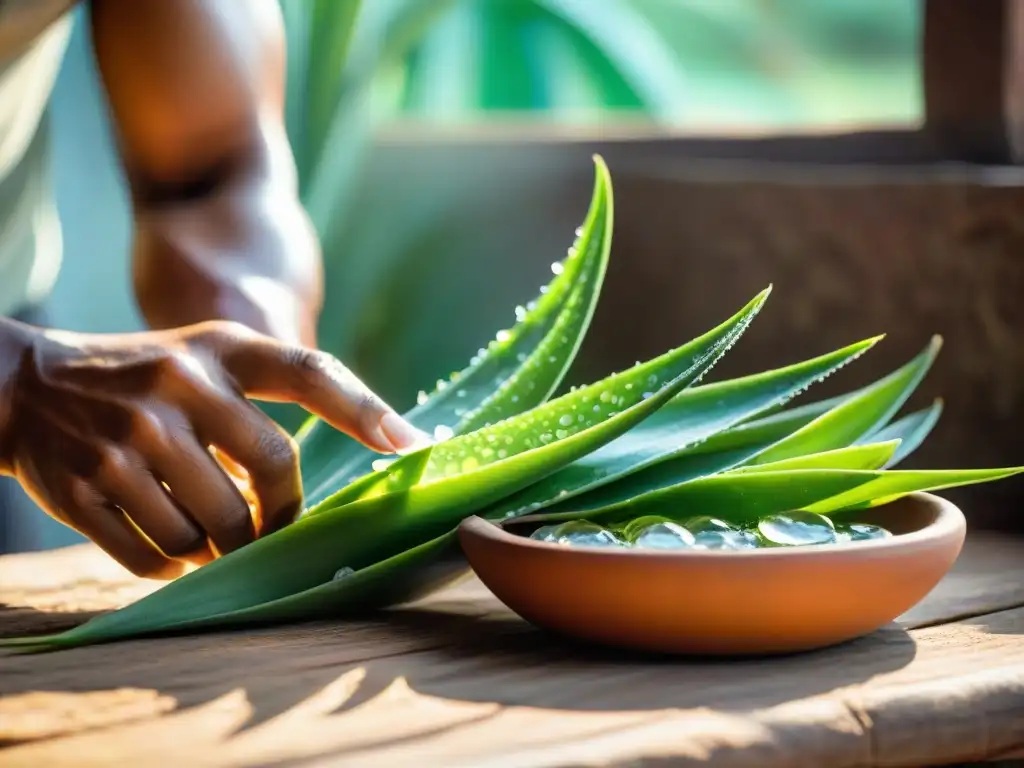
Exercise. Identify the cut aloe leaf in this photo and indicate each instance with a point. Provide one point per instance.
(858, 415)
(911, 431)
(424, 496)
(693, 416)
(734, 498)
(868, 456)
(896, 483)
(521, 368)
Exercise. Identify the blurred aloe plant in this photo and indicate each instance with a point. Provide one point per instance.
(353, 66)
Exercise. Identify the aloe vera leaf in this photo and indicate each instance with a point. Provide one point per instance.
(735, 498)
(692, 416)
(858, 415)
(428, 494)
(911, 430)
(396, 580)
(564, 419)
(830, 424)
(562, 311)
(867, 456)
(896, 483)
(766, 429)
(720, 453)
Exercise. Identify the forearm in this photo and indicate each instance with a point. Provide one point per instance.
(15, 343)
(242, 250)
(196, 90)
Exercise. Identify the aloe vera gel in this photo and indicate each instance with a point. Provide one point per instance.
(791, 529)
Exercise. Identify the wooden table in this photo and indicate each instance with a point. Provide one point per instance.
(459, 680)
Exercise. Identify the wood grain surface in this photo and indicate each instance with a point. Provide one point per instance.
(458, 680)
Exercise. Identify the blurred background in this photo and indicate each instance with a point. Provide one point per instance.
(443, 150)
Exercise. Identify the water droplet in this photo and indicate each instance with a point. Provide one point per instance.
(557, 267)
(508, 440)
(442, 433)
(652, 380)
(531, 305)
(470, 463)
(606, 397)
(441, 384)
(379, 465)
(422, 397)
(515, 398)
(580, 418)
(342, 573)
(502, 336)
(864, 532)
(712, 533)
(565, 420)
(451, 468)
(794, 529)
(521, 357)
(597, 409)
(461, 393)
(629, 386)
(579, 232)
(552, 359)
(520, 313)
(665, 535)
(561, 434)
(579, 533)
(646, 395)
(545, 533)
(543, 289)
(546, 438)
(487, 453)
(502, 453)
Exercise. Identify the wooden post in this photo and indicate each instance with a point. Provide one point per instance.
(973, 78)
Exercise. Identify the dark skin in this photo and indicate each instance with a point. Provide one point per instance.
(148, 443)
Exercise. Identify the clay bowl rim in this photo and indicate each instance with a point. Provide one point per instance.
(949, 522)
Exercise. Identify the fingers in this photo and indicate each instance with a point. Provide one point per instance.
(266, 452)
(156, 514)
(202, 489)
(111, 530)
(266, 369)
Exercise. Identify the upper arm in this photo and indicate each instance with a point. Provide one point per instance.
(195, 87)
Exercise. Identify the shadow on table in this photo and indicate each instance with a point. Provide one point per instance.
(506, 661)
(489, 659)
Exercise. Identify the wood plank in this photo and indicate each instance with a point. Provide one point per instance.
(461, 681)
(973, 72)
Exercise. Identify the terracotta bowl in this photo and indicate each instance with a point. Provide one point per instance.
(762, 601)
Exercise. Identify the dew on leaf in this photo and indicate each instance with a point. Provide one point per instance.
(422, 397)
(379, 465)
(470, 463)
(557, 267)
(565, 420)
(520, 313)
(442, 433)
(342, 573)
(561, 434)
(502, 336)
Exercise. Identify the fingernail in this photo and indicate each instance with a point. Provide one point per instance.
(402, 435)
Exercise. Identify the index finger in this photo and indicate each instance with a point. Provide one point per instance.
(269, 370)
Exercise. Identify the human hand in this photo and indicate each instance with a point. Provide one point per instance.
(115, 435)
